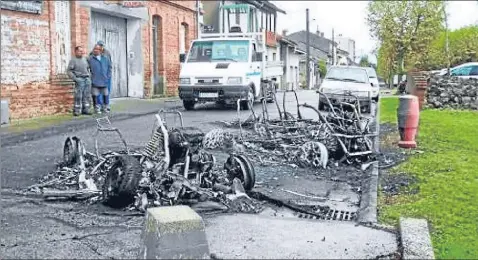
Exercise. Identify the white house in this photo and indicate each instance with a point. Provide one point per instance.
(291, 57)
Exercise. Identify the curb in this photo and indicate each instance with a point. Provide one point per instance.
(415, 238)
(367, 213)
(10, 139)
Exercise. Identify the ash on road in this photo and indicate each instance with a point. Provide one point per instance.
(76, 230)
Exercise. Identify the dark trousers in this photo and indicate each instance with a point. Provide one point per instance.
(82, 95)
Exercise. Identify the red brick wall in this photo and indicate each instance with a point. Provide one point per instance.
(419, 86)
(172, 14)
(80, 24)
(27, 64)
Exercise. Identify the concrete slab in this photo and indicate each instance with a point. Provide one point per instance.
(243, 236)
(416, 240)
(173, 232)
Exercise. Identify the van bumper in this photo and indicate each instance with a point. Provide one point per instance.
(213, 93)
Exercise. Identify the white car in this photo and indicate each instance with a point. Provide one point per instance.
(466, 70)
(372, 76)
(341, 80)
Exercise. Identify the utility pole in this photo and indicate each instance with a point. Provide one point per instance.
(333, 48)
(198, 14)
(447, 46)
(307, 47)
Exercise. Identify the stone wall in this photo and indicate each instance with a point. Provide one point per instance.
(459, 93)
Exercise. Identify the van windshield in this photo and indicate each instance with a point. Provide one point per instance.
(358, 75)
(224, 50)
(371, 73)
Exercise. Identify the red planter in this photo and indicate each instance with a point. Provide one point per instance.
(408, 115)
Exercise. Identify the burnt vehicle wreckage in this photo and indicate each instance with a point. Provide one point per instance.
(342, 133)
(177, 165)
(172, 169)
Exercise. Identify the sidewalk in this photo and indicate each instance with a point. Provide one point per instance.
(121, 109)
(74, 230)
(283, 236)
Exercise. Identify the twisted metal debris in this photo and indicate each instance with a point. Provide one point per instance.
(173, 168)
(341, 134)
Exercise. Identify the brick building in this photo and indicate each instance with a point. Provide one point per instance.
(38, 39)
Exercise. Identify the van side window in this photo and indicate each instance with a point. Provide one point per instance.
(254, 56)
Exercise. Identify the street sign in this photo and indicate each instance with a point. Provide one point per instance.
(127, 4)
(31, 6)
(133, 4)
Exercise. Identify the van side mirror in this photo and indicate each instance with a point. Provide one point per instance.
(371, 84)
(182, 57)
(258, 56)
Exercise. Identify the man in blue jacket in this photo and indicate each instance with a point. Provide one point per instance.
(100, 66)
(106, 53)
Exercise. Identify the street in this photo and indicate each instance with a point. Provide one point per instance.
(33, 228)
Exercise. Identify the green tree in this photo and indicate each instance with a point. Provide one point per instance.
(364, 61)
(404, 30)
(322, 68)
(463, 47)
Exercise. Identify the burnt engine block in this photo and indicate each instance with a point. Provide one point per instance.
(189, 138)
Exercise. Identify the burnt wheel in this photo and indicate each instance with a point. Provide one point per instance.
(70, 152)
(122, 180)
(250, 168)
(241, 168)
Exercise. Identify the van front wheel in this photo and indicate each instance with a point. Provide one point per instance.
(188, 105)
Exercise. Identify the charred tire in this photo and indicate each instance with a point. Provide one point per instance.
(189, 105)
(238, 168)
(122, 180)
(250, 169)
(70, 152)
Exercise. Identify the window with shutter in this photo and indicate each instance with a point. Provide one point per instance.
(62, 26)
(182, 38)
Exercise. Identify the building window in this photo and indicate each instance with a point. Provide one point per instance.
(274, 56)
(183, 36)
(63, 36)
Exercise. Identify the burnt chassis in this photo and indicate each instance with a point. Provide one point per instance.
(344, 123)
(175, 153)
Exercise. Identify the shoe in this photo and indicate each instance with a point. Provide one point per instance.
(88, 113)
(76, 114)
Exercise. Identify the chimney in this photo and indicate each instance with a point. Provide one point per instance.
(322, 35)
(284, 32)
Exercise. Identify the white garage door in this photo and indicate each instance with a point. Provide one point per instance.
(112, 30)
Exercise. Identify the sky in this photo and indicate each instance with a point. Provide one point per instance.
(348, 18)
